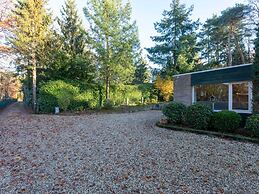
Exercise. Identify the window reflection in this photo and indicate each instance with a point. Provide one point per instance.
(240, 96)
(217, 93)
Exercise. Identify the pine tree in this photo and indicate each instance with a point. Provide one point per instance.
(177, 37)
(232, 21)
(212, 44)
(72, 33)
(142, 72)
(70, 58)
(115, 40)
(30, 29)
(256, 75)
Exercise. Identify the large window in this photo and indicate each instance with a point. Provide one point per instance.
(240, 96)
(229, 96)
(215, 95)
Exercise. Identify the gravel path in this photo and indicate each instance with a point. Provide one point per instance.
(119, 153)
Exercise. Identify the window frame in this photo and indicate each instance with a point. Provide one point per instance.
(230, 97)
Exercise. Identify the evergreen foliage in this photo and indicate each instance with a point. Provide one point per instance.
(175, 48)
(30, 30)
(70, 57)
(256, 76)
(142, 73)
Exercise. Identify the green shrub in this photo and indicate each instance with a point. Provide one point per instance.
(108, 104)
(175, 112)
(227, 121)
(81, 101)
(252, 124)
(198, 116)
(6, 102)
(56, 93)
(93, 103)
(64, 100)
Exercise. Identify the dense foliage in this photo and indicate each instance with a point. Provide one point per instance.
(252, 124)
(64, 95)
(175, 47)
(30, 30)
(198, 116)
(224, 40)
(226, 121)
(165, 87)
(114, 38)
(6, 102)
(256, 76)
(175, 112)
(104, 58)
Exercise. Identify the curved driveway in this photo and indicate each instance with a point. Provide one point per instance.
(118, 153)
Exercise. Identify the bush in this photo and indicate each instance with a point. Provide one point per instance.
(175, 112)
(108, 104)
(252, 124)
(198, 116)
(56, 93)
(64, 100)
(226, 120)
(6, 102)
(82, 101)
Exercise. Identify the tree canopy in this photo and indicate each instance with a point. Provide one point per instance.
(175, 48)
(114, 40)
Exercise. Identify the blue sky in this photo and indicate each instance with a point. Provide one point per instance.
(146, 12)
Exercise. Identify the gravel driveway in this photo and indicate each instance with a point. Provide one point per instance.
(119, 153)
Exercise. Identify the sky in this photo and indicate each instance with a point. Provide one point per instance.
(147, 12)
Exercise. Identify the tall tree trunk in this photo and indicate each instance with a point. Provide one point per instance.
(240, 52)
(249, 50)
(100, 94)
(34, 83)
(230, 59)
(107, 94)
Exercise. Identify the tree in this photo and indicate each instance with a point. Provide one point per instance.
(165, 86)
(227, 39)
(114, 39)
(70, 57)
(30, 29)
(232, 20)
(254, 11)
(212, 44)
(5, 25)
(72, 33)
(177, 38)
(9, 85)
(142, 73)
(256, 75)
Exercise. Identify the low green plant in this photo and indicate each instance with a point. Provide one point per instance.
(252, 124)
(227, 121)
(56, 93)
(108, 104)
(175, 112)
(6, 102)
(64, 100)
(83, 101)
(198, 116)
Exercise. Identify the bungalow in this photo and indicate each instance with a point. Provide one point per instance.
(228, 88)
